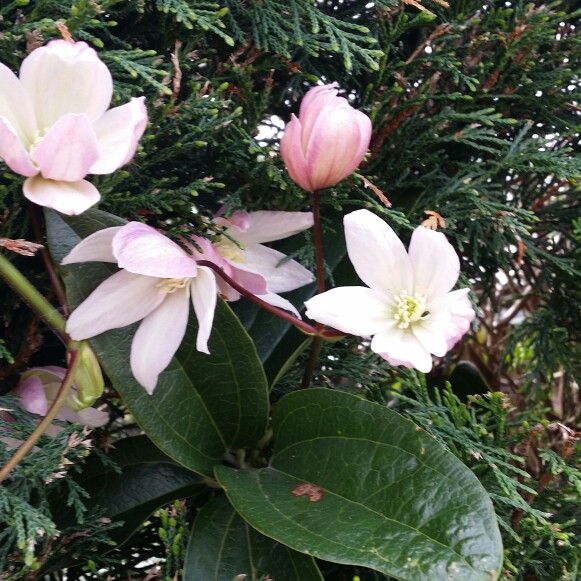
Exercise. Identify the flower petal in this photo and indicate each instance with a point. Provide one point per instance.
(460, 313)
(118, 133)
(98, 247)
(141, 249)
(401, 347)
(253, 282)
(32, 396)
(62, 78)
(16, 106)
(266, 226)
(68, 150)
(377, 254)
(352, 309)
(69, 198)
(158, 338)
(291, 151)
(122, 299)
(281, 273)
(13, 152)
(277, 301)
(434, 261)
(312, 105)
(92, 417)
(204, 292)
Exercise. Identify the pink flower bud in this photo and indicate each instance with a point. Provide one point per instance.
(326, 142)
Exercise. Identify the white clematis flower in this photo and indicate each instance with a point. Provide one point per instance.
(56, 126)
(409, 308)
(156, 283)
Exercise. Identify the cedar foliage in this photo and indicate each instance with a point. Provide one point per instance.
(475, 109)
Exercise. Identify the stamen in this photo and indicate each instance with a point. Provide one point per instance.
(409, 309)
(171, 285)
(229, 250)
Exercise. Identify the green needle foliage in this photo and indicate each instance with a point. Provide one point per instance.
(476, 118)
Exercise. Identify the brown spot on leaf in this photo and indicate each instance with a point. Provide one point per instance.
(312, 491)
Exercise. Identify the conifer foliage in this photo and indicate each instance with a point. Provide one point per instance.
(291, 451)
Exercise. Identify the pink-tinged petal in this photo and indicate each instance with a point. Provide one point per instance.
(121, 300)
(434, 261)
(281, 273)
(239, 219)
(277, 301)
(141, 249)
(352, 309)
(313, 103)
(401, 347)
(13, 152)
(70, 198)
(158, 338)
(252, 281)
(460, 314)
(68, 150)
(266, 226)
(62, 78)
(226, 292)
(118, 133)
(32, 396)
(204, 291)
(16, 106)
(335, 145)
(98, 247)
(291, 151)
(377, 254)
(92, 417)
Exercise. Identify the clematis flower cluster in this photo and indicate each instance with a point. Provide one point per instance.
(326, 142)
(408, 308)
(55, 128)
(158, 280)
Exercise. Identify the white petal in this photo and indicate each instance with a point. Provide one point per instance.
(94, 248)
(62, 78)
(204, 292)
(431, 333)
(158, 338)
(460, 314)
(435, 263)
(122, 299)
(141, 249)
(352, 309)
(13, 152)
(16, 106)
(281, 273)
(401, 347)
(118, 133)
(277, 301)
(377, 254)
(69, 198)
(266, 226)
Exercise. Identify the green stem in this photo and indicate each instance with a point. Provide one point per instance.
(58, 402)
(312, 362)
(36, 301)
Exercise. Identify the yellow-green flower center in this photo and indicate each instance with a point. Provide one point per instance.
(229, 250)
(409, 309)
(171, 285)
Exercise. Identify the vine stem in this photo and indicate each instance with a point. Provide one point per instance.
(300, 324)
(58, 402)
(317, 343)
(35, 300)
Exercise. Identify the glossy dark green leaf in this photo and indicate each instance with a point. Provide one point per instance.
(147, 480)
(353, 482)
(222, 546)
(203, 405)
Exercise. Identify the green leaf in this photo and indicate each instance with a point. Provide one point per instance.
(223, 546)
(147, 480)
(393, 498)
(203, 405)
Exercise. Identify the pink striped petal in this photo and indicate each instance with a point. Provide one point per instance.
(266, 226)
(291, 151)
